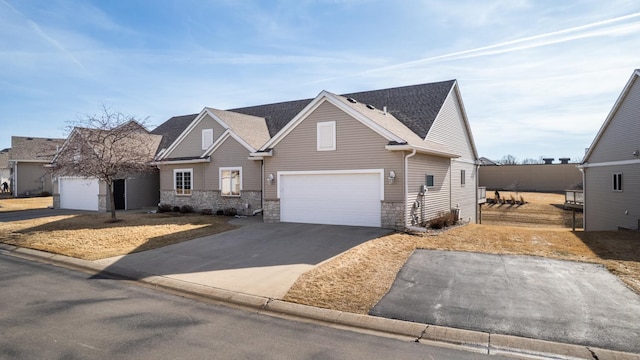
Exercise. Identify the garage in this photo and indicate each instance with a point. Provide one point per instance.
(78, 193)
(337, 198)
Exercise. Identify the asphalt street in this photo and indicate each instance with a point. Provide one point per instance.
(47, 312)
(562, 301)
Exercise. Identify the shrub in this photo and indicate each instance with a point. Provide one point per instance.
(230, 212)
(176, 209)
(443, 220)
(45, 194)
(164, 208)
(220, 212)
(186, 209)
(206, 211)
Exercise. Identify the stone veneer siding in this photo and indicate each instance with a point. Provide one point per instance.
(56, 201)
(392, 215)
(102, 203)
(271, 212)
(211, 199)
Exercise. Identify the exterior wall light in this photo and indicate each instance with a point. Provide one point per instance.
(270, 179)
(392, 177)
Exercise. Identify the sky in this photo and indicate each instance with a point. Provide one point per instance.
(537, 78)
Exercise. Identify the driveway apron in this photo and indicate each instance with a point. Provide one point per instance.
(527, 296)
(258, 259)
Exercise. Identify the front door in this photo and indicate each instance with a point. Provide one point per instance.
(118, 194)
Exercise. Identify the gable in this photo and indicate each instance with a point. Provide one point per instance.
(619, 136)
(451, 128)
(189, 144)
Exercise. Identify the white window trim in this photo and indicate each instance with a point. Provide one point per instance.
(220, 179)
(332, 126)
(620, 184)
(206, 133)
(175, 188)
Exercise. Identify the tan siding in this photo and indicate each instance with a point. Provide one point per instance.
(437, 197)
(449, 128)
(357, 147)
(536, 177)
(142, 190)
(32, 178)
(606, 208)
(622, 137)
(191, 145)
(232, 154)
(166, 175)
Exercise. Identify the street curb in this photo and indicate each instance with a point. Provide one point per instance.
(469, 340)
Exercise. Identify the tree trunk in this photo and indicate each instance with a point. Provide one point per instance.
(110, 197)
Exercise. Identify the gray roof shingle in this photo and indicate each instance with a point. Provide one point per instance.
(172, 128)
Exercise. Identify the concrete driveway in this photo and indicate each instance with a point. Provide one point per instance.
(7, 216)
(257, 258)
(563, 301)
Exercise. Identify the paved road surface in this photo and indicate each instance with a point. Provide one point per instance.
(53, 313)
(562, 301)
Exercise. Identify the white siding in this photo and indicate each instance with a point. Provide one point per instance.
(437, 198)
(608, 209)
(464, 196)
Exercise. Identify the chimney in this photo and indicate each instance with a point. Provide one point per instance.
(564, 160)
(548, 161)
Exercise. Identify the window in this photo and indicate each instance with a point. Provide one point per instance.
(463, 179)
(182, 181)
(617, 182)
(230, 181)
(430, 181)
(207, 138)
(326, 136)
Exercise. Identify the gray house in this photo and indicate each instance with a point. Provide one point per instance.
(611, 167)
(27, 159)
(384, 158)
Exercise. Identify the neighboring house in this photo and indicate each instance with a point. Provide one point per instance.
(132, 190)
(27, 159)
(487, 162)
(611, 167)
(385, 158)
(5, 170)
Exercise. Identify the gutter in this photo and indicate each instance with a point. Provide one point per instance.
(406, 147)
(177, 162)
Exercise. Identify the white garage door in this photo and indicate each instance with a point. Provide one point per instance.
(79, 193)
(335, 198)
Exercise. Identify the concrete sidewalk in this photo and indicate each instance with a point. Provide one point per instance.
(475, 341)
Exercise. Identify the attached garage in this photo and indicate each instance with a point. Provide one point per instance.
(331, 197)
(78, 193)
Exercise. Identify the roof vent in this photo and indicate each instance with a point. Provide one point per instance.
(351, 100)
(29, 138)
(370, 107)
(548, 161)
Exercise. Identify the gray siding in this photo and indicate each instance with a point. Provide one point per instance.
(535, 177)
(357, 147)
(191, 145)
(232, 154)
(449, 129)
(607, 209)
(622, 136)
(166, 175)
(437, 197)
(142, 190)
(32, 178)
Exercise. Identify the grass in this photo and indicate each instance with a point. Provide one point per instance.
(357, 279)
(542, 210)
(17, 204)
(93, 236)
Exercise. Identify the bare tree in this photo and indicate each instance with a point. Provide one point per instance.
(508, 160)
(530, 161)
(106, 146)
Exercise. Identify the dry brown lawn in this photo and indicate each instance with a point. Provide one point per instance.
(93, 236)
(357, 279)
(540, 210)
(16, 204)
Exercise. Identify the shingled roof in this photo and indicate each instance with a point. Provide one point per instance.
(172, 128)
(33, 148)
(416, 106)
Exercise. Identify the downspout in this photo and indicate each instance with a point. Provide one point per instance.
(584, 198)
(15, 179)
(407, 220)
(478, 220)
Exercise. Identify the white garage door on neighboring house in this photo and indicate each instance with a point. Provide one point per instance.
(78, 193)
(337, 198)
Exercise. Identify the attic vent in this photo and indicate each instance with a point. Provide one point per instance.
(370, 107)
(29, 138)
(351, 100)
(49, 139)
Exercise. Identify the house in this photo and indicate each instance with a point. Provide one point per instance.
(611, 166)
(384, 158)
(77, 185)
(5, 170)
(27, 159)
